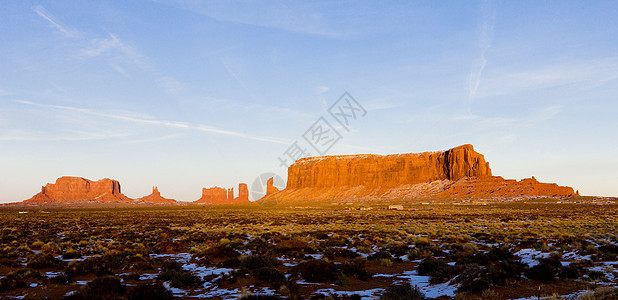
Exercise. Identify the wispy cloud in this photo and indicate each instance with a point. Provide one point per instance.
(583, 74)
(299, 17)
(43, 13)
(22, 135)
(487, 21)
(114, 46)
(165, 123)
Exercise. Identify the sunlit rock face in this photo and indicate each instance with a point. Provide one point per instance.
(156, 197)
(387, 170)
(67, 189)
(219, 195)
(455, 173)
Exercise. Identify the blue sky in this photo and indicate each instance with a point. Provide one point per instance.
(192, 94)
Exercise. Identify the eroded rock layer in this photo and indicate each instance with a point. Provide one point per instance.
(456, 173)
(68, 188)
(387, 170)
(218, 195)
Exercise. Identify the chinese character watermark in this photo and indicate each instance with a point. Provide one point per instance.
(322, 136)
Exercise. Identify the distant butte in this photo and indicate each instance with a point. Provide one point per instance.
(69, 189)
(459, 172)
(156, 197)
(218, 195)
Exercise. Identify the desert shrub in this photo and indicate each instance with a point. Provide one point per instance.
(500, 253)
(268, 274)
(398, 250)
(59, 279)
(416, 253)
(500, 272)
(356, 269)
(43, 260)
(402, 292)
(233, 262)
(380, 255)
(220, 251)
(569, 272)
(473, 279)
(92, 265)
(542, 272)
(15, 279)
(332, 253)
(70, 254)
(596, 275)
(337, 241)
(150, 292)
(177, 276)
(285, 246)
(7, 262)
(37, 245)
(104, 285)
(101, 288)
(320, 235)
(317, 270)
(51, 248)
(253, 262)
(386, 262)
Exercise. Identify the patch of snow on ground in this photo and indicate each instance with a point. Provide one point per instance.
(222, 293)
(531, 256)
(147, 276)
(365, 294)
(175, 291)
(574, 256)
(431, 291)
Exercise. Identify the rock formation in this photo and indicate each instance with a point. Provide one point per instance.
(156, 197)
(68, 189)
(243, 194)
(387, 170)
(456, 173)
(218, 195)
(270, 187)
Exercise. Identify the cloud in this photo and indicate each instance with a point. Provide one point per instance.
(289, 16)
(583, 74)
(165, 123)
(107, 46)
(101, 46)
(484, 39)
(43, 13)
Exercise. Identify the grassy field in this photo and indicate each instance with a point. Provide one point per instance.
(498, 251)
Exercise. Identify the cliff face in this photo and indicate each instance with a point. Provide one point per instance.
(68, 188)
(156, 197)
(456, 173)
(218, 195)
(387, 170)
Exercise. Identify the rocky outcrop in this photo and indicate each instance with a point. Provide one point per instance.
(67, 189)
(456, 173)
(270, 187)
(156, 197)
(218, 195)
(243, 194)
(387, 170)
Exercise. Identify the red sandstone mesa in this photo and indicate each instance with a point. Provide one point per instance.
(68, 189)
(156, 197)
(218, 195)
(460, 172)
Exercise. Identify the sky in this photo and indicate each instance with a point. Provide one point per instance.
(186, 94)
